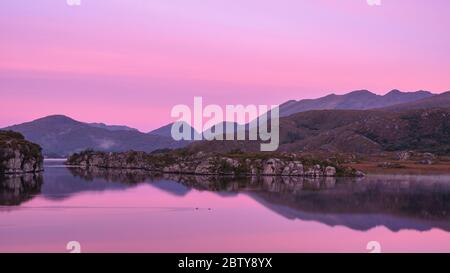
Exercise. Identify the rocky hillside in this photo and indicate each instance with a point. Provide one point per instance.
(201, 163)
(354, 131)
(18, 155)
(368, 131)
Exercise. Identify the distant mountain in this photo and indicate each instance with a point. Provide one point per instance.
(166, 130)
(437, 101)
(356, 100)
(224, 127)
(354, 131)
(400, 121)
(112, 127)
(60, 136)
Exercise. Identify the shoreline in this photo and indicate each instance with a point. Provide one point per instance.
(401, 168)
(247, 175)
(201, 163)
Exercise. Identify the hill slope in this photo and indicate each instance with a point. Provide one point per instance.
(354, 131)
(165, 130)
(60, 136)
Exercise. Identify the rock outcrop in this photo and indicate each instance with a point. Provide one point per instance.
(201, 163)
(18, 155)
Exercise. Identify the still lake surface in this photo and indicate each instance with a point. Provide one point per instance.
(114, 211)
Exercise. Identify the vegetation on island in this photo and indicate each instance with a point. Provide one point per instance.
(236, 163)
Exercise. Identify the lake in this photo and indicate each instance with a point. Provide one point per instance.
(132, 211)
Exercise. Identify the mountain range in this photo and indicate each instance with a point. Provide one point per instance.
(355, 131)
(356, 100)
(436, 101)
(359, 121)
(421, 125)
(60, 136)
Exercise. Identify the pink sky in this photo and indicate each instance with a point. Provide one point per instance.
(129, 62)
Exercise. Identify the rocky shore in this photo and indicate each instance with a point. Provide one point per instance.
(202, 163)
(18, 155)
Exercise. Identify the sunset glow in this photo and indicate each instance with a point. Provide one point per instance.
(129, 64)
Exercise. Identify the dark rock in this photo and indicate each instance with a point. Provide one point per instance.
(404, 155)
(425, 162)
(18, 155)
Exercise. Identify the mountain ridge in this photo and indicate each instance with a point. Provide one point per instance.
(61, 136)
(355, 100)
(441, 100)
(353, 132)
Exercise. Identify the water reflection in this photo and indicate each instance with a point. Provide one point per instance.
(110, 175)
(16, 189)
(396, 202)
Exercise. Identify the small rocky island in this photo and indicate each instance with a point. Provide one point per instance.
(18, 155)
(202, 163)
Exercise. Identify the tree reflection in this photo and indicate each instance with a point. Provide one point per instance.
(16, 189)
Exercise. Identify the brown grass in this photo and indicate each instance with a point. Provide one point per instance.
(408, 167)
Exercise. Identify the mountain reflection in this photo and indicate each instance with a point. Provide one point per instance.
(396, 202)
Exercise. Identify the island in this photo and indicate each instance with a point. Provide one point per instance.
(234, 163)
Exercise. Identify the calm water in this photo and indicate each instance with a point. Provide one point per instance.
(133, 212)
